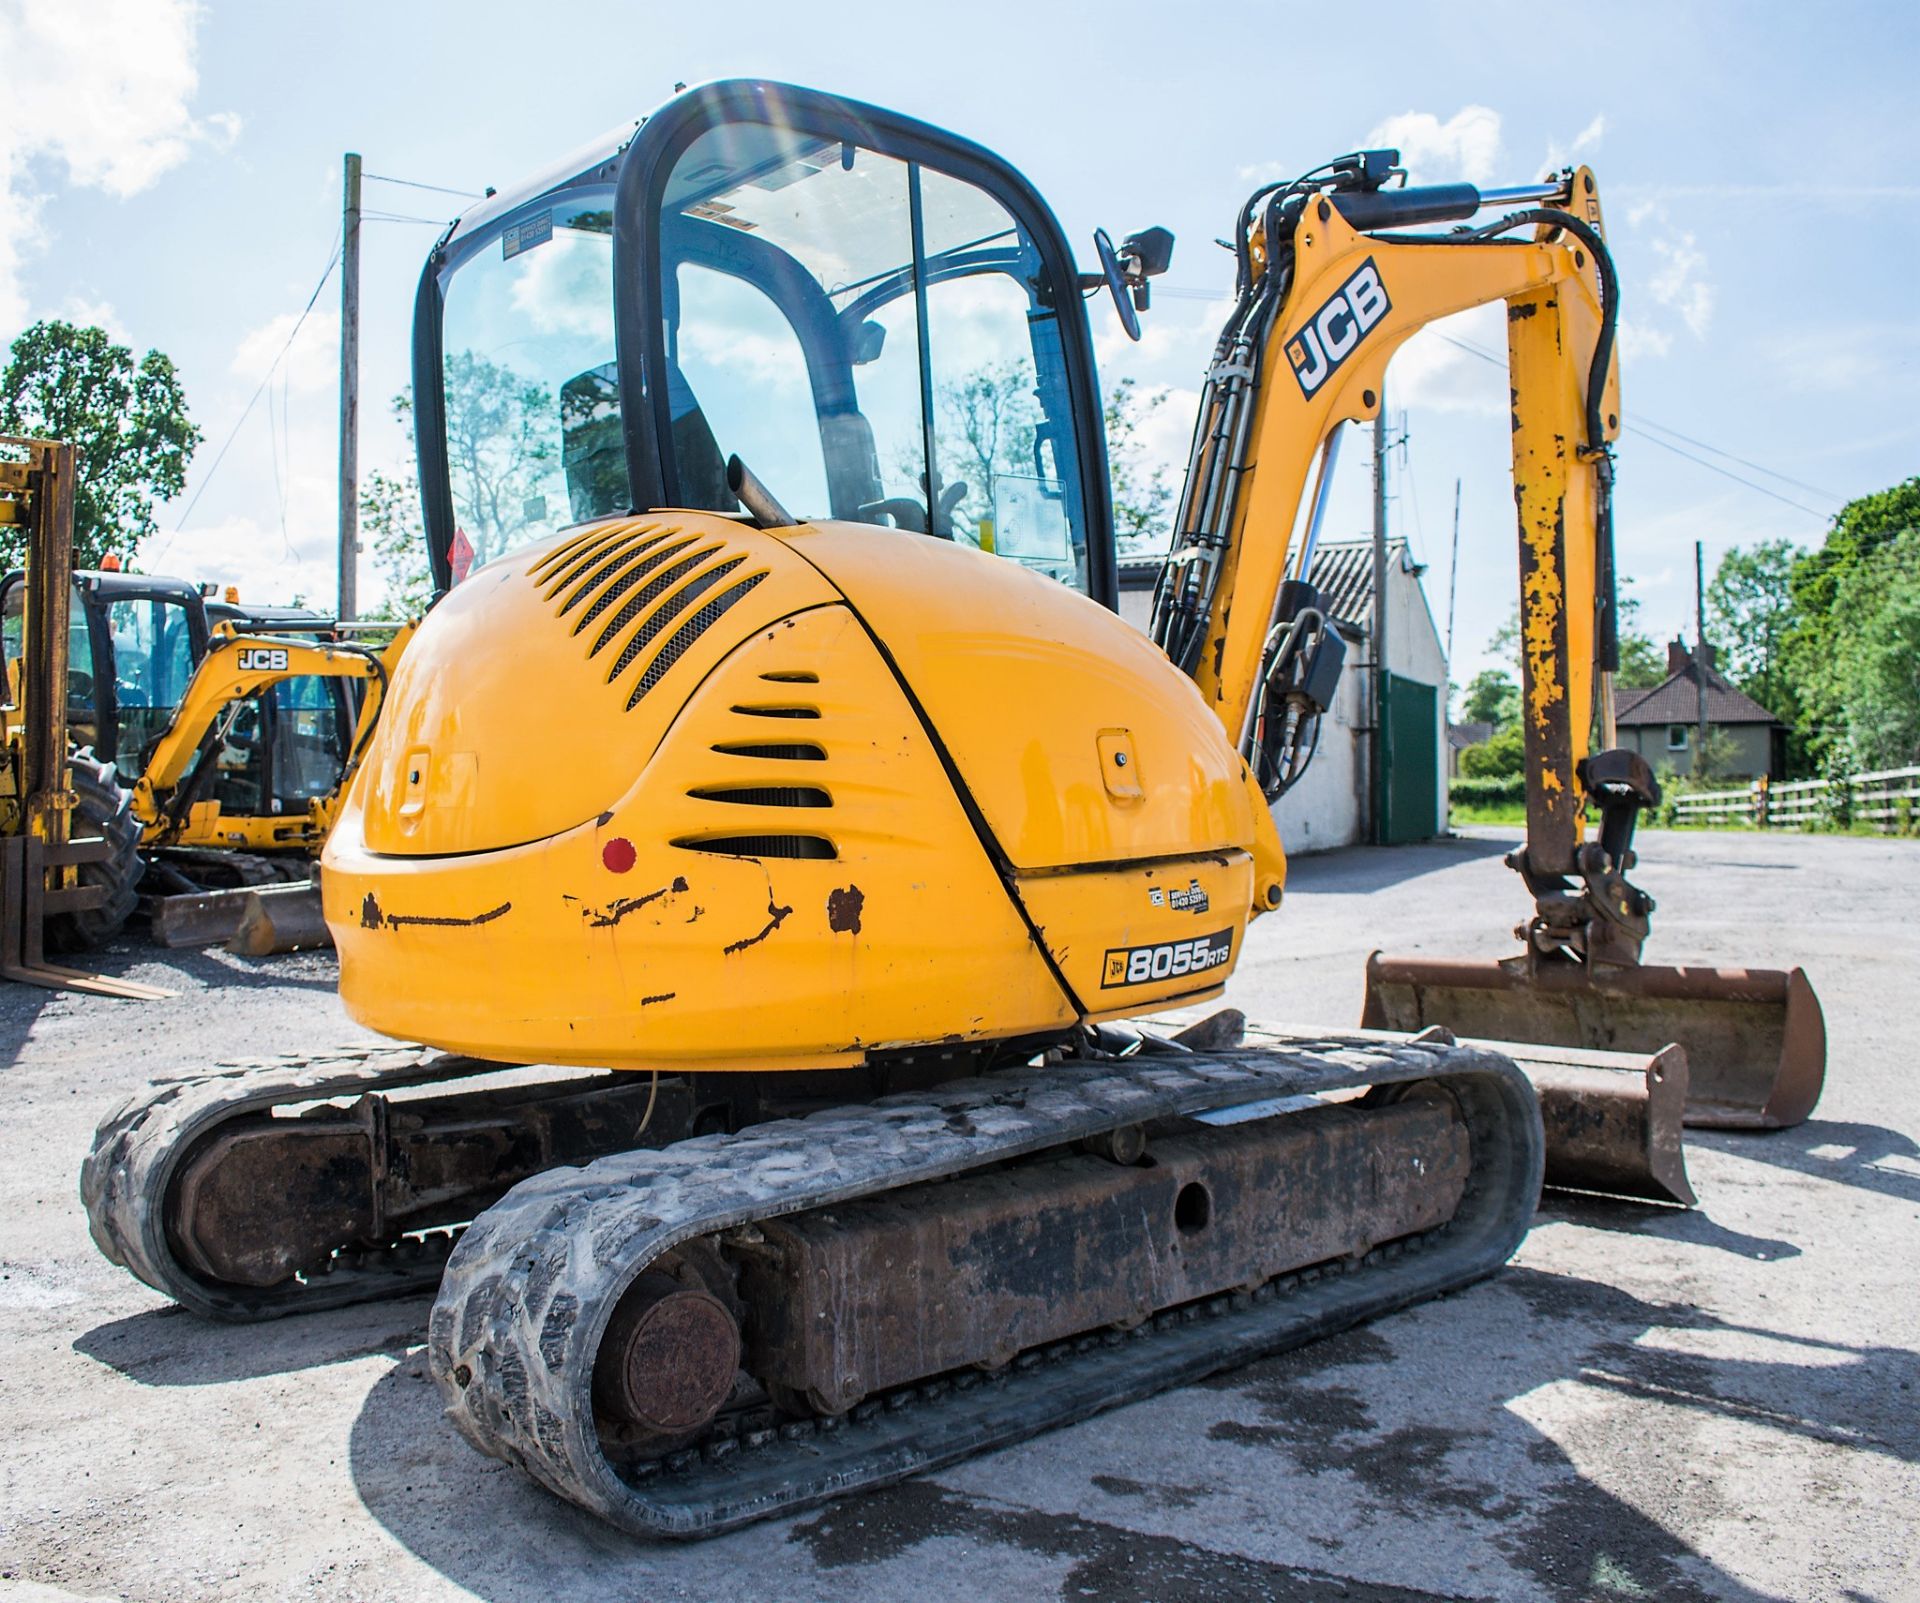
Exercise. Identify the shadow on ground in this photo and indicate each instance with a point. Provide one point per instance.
(167, 1346)
(1360, 870)
(1554, 1532)
(1869, 1157)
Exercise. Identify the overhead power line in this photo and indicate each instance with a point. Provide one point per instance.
(326, 273)
(1700, 461)
(414, 183)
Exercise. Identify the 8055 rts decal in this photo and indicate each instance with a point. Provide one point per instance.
(1165, 960)
(1333, 332)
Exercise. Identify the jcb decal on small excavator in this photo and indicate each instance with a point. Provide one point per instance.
(1333, 332)
(1136, 965)
(263, 659)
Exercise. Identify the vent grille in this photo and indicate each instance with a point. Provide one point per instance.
(799, 752)
(783, 846)
(778, 712)
(638, 603)
(577, 562)
(764, 795)
(620, 586)
(565, 551)
(620, 558)
(665, 613)
(693, 628)
(798, 676)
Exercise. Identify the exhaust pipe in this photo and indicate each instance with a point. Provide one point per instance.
(1755, 1039)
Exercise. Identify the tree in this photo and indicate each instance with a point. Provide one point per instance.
(1143, 496)
(128, 426)
(390, 516)
(1502, 757)
(1753, 611)
(1877, 662)
(502, 452)
(1492, 698)
(1831, 608)
(994, 412)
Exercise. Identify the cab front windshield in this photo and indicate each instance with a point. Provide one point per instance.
(879, 341)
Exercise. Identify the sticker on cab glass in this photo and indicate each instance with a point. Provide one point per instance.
(525, 234)
(1165, 960)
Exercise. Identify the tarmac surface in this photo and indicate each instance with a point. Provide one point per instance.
(1719, 1404)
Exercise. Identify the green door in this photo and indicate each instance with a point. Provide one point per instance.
(1409, 798)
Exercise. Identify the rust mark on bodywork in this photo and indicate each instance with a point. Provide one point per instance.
(776, 916)
(843, 910)
(664, 996)
(601, 918)
(1523, 309)
(372, 917)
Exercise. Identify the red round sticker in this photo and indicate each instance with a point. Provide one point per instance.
(618, 854)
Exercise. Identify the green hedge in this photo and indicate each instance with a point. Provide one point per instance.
(1465, 792)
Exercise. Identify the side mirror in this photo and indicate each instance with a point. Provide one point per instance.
(1116, 281)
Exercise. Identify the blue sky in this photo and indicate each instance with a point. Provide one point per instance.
(174, 173)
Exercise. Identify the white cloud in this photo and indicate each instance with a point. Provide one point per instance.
(102, 88)
(84, 313)
(312, 361)
(1588, 139)
(1638, 339)
(1430, 370)
(1465, 146)
(1682, 284)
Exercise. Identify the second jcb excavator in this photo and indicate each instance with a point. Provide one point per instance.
(835, 843)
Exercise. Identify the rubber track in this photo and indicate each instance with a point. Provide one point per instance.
(528, 1289)
(136, 1150)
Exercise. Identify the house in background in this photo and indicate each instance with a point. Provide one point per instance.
(1459, 738)
(1337, 802)
(1662, 723)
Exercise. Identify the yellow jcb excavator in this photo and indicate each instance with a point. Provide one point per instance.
(835, 845)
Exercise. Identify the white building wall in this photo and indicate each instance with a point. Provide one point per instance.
(1330, 806)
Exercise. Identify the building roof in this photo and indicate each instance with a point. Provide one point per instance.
(1676, 700)
(1461, 736)
(1342, 572)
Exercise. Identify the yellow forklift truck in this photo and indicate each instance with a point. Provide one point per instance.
(783, 770)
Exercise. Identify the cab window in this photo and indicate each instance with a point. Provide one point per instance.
(878, 340)
(531, 401)
(152, 662)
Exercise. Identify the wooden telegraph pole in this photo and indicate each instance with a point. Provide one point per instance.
(1381, 753)
(350, 391)
(1700, 660)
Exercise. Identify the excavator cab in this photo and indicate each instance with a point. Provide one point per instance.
(881, 322)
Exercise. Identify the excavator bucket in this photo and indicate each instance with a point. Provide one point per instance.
(1755, 1039)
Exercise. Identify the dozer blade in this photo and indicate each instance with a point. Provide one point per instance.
(1612, 1119)
(1755, 1039)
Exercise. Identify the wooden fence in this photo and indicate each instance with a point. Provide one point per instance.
(1889, 799)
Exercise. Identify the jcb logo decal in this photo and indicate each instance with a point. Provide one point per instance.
(263, 659)
(1138, 965)
(1333, 332)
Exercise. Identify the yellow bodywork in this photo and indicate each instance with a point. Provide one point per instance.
(237, 668)
(753, 837)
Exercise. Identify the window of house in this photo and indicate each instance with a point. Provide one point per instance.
(1676, 737)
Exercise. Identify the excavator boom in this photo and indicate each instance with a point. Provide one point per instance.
(1330, 286)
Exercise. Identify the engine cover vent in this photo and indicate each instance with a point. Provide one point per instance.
(792, 847)
(763, 795)
(694, 627)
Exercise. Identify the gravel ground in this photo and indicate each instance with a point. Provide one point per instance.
(1647, 1404)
